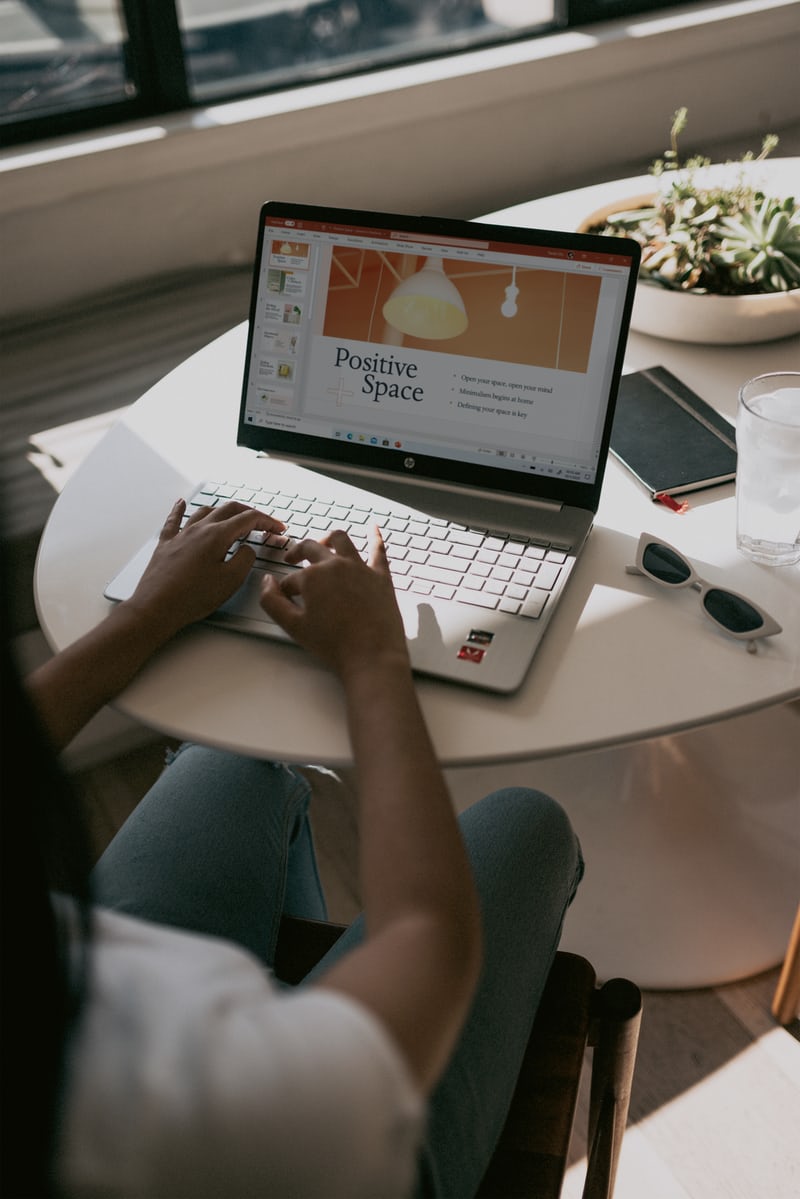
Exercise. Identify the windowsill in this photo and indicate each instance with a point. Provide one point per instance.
(460, 135)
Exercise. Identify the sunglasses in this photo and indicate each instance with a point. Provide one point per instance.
(735, 615)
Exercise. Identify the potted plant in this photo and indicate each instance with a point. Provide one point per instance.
(717, 232)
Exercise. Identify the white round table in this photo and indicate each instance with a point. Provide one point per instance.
(681, 861)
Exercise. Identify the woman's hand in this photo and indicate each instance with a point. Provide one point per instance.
(341, 609)
(188, 576)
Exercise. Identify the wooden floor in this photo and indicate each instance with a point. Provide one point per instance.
(715, 1111)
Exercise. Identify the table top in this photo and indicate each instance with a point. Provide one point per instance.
(622, 659)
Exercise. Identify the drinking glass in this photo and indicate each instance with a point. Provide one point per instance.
(768, 469)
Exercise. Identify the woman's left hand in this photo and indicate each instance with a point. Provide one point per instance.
(190, 574)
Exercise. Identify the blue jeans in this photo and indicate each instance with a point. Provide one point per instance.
(222, 845)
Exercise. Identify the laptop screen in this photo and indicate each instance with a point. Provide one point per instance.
(447, 349)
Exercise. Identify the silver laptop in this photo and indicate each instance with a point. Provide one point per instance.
(453, 381)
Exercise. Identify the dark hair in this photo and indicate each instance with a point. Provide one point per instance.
(44, 848)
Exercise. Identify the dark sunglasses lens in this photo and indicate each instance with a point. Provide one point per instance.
(732, 613)
(664, 564)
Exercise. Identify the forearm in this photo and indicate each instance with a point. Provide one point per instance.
(420, 963)
(70, 688)
(190, 574)
(412, 856)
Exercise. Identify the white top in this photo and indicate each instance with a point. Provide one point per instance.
(194, 1075)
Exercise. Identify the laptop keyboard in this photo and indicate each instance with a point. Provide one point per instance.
(427, 555)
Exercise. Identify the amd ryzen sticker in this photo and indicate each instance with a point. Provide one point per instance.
(480, 637)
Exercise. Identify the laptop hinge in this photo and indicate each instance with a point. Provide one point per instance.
(414, 491)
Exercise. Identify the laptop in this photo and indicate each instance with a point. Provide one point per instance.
(453, 381)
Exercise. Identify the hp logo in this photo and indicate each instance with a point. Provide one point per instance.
(409, 463)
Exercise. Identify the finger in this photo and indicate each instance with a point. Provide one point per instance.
(309, 550)
(338, 541)
(277, 605)
(198, 514)
(172, 524)
(240, 564)
(377, 557)
(240, 525)
(237, 515)
(291, 584)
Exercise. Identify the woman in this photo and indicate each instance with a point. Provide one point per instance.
(168, 1059)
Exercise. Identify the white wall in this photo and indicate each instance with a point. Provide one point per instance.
(460, 136)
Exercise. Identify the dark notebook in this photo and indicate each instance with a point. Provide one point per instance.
(669, 438)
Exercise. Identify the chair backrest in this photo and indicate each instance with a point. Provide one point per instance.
(574, 1014)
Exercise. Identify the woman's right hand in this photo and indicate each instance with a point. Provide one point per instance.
(340, 608)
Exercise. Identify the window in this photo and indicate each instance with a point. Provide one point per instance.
(56, 57)
(67, 65)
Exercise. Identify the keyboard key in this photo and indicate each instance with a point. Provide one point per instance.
(534, 604)
(547, 575)
(448, 562)
(479, 599)
(435, 575)
(465, 537)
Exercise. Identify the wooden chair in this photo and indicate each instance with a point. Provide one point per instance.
(575, 1013)
(786, 1000)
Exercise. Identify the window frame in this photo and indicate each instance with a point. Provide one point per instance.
(155, 62)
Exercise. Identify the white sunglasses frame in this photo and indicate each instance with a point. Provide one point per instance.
(770, 626)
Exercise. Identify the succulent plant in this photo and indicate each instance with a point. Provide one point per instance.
(699, 236)
(762, 248)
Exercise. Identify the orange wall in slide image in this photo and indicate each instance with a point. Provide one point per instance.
(552, 327)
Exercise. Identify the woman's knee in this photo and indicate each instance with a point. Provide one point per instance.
(528, 827)
(228, 779)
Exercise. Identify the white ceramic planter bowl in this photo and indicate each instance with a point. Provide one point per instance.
(715, 320)
(710, 320)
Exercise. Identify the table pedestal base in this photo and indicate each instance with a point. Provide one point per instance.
(692, 845)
